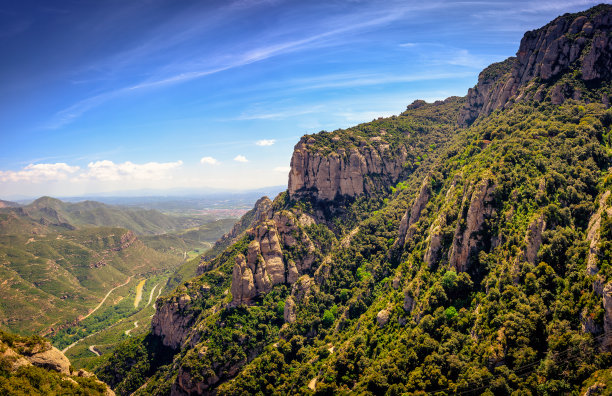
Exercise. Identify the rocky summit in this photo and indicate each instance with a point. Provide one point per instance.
(460, 247)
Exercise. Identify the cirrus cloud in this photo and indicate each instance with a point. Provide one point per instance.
(240, 158)
(35, 173)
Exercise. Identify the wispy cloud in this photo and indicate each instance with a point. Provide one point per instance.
(277, 44)
(265, 142)
(282, 169)
(240, 158)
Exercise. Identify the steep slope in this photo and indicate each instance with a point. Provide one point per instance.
(51, 279)
(411, 255)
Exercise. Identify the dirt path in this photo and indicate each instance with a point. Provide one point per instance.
(92, 349)
(158, 294)
(127, 332)
(139, 288)
(94, 310)
(151, 295)
(105, 297)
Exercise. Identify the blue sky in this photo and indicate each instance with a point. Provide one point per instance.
(117, 96)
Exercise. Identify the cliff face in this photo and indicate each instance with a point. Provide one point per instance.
(265, 265)
(20, 353)
(406, 229)
(344, 173)
(261, 210)
(174, 316)
(468, 238)
(578, 43)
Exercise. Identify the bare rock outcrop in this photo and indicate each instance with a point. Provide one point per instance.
(382, 318)
(533, 238)
(607, 304)
(593, 233)
(569, 42)
(52, 359)
(265, 264)
(262, 210)
(436, 230)
(172, 320)
(344, 172)
(406, 229)
(289, 313)
(468, 238)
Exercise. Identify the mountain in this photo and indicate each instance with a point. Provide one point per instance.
(461, 247)
(64, 215)
(50, 279)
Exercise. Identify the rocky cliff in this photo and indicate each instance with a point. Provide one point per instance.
(17, 353)
(261, 210)
(348, 172)
(265, 264)
(576, 43)
(469, 239)
(406, 228)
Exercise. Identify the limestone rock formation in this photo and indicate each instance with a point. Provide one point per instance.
(172, 320)
(408, 301)
(343, 173)
(289, 313)
(593, 234)
(265, 265)
(435, 234)
(406, 229)
(607, 304)
(262, 210)
(468, 239)
(533, 239)
(52, 359)
(569, 41)
(382, 318)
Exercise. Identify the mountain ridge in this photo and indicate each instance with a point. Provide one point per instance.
(482, 267)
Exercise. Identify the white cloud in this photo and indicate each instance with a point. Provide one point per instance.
(241, 158)
(109, 171)
(209, 161)
(265, 142)
(282, 169)
(39, 173)
(408, 45)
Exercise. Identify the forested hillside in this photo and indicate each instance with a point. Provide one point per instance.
(463, 246)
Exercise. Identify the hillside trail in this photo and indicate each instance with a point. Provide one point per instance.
(127, 332)
(92, 349)
(94, 310)
(151, 295)
(106, 296)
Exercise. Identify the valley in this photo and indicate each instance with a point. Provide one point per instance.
(87, 286)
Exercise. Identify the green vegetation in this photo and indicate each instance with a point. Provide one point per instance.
(27, 379)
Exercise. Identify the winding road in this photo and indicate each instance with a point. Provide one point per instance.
(105, 297)
(92, 349)
(127, 332)
(94, 310)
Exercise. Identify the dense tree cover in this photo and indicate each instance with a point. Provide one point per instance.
(522, 316)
